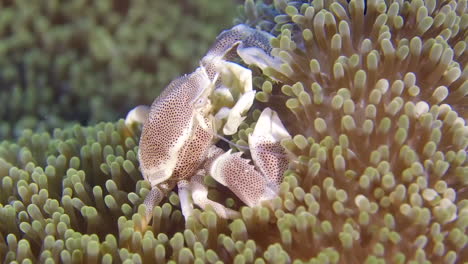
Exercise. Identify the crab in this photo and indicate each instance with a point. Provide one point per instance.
(180, 129)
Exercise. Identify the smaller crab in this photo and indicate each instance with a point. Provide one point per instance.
(177, 144)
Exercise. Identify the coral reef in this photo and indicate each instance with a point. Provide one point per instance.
(88, 61)
(375, 96)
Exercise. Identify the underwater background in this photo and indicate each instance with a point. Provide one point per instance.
(374, 93)
(90, 61)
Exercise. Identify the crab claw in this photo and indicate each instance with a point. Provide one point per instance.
(252, 46)
(241, 178)
(265, 146)
(253, 186)
(255, 50)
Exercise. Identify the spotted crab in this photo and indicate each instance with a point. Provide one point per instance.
(180, 129)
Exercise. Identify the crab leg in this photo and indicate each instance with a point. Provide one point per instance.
(186, 202)
(155, 196)
(200, 198)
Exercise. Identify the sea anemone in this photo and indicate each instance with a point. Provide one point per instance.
(376, 95)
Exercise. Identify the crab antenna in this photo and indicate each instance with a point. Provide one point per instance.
(231, 143)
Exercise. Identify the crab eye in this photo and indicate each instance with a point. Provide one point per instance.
(200, 102)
